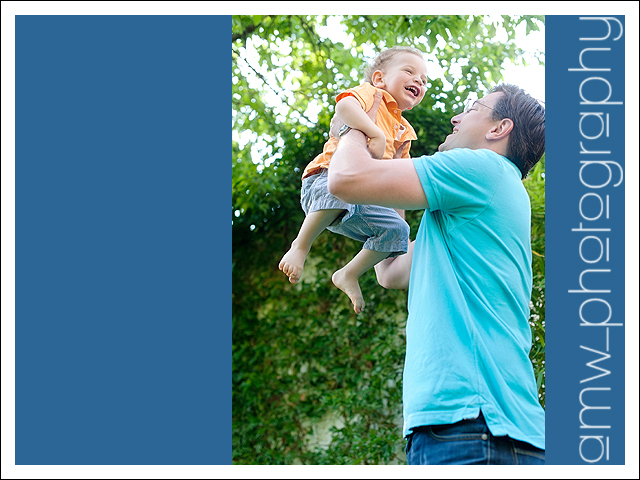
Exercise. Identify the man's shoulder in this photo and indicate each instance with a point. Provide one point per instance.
(465, 157)
(477, 165)
(464, 153)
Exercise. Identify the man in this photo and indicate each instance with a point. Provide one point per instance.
(469, 392)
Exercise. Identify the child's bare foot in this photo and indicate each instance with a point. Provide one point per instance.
(351, 287)
(292, 263)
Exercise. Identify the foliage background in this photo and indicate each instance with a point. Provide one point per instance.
(313, 382)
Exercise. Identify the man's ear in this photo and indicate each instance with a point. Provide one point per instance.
(501, 130)
(377, 79)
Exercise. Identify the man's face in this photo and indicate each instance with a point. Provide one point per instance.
(471, 127)
(405, 78)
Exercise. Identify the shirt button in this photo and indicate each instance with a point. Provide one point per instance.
(485, 436)
(396, 127)
(395, 111)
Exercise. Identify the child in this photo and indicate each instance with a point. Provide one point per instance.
(401, 73)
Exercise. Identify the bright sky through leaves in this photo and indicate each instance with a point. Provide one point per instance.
(530, 77)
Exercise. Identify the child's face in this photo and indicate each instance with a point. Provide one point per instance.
(405, 78)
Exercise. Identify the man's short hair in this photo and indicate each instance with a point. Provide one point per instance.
(526, 141)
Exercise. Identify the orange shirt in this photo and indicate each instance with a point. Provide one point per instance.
(396, 129)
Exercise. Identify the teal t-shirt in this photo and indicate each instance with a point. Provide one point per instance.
(468, 334)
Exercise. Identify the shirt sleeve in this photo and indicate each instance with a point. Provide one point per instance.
(363, 93)
(460, 181)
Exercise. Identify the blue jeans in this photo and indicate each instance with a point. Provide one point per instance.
(468, 442)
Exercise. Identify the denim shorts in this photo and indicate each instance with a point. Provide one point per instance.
(468, 442)
(380, 228)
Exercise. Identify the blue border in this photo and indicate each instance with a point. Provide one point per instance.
(123, 331)
(585, 244)
(123, 336)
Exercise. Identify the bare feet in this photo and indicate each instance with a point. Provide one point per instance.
(292, 263)
(351, 287)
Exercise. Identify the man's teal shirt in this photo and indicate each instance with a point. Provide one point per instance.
(468, 333)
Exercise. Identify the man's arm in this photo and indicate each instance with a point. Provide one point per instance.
(395, 272)
(355, 177)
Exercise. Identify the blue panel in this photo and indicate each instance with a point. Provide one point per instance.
(585, 188)
(123, 302)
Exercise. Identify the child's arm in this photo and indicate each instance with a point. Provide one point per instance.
(351, 113)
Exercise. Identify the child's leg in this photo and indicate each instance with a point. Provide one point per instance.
(346, 279)
(292, 263)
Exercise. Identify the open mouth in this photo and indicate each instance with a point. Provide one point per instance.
(415, 91)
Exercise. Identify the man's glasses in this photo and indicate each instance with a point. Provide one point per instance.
(471, 102)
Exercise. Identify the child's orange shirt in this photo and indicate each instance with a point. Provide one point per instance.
(396, 129)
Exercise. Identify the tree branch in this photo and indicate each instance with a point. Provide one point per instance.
(264, 80)
(247, 32)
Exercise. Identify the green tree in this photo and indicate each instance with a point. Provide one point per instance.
(314, 383)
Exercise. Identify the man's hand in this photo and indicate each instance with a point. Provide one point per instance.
(373, 111)
(336, 125)
(377, 145)
(400, 150)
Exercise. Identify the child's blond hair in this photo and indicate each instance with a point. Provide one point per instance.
(384, 58)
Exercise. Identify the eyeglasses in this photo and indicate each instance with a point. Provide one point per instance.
(471, 102)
